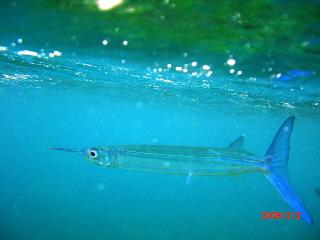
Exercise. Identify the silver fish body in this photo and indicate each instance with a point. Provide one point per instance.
(206, 161)
(180, 160)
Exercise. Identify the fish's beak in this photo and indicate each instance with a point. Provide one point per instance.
(67, 150)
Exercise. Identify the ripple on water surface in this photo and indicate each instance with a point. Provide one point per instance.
(179, 81)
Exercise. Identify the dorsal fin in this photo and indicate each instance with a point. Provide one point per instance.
(237, 144)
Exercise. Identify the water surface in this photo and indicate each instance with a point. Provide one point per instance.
(69, 89)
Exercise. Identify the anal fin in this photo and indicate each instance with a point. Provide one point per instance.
(189, 178)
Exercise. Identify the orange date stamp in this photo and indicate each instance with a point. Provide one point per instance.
(280, 215)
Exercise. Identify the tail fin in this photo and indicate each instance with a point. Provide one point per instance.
(277, 158)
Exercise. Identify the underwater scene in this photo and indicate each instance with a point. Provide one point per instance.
(159, 119)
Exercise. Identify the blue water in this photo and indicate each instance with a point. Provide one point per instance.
(94, 97)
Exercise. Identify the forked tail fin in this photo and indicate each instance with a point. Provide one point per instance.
(277, 158)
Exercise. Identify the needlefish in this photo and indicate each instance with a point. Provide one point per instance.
(206, 161)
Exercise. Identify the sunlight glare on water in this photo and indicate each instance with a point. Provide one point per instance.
(77, 74)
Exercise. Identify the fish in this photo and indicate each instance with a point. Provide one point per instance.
(294, 74)
(206, 161)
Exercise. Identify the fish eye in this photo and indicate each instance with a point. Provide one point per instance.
(93, 153)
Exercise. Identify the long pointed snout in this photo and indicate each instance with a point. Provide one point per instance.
(67, 150)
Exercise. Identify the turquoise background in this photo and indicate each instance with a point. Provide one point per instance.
(95, 94)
